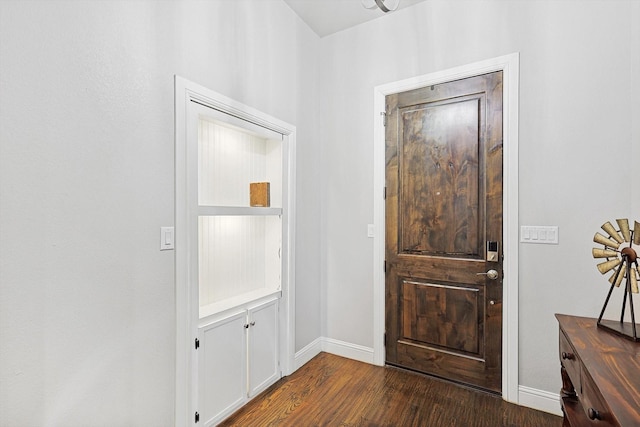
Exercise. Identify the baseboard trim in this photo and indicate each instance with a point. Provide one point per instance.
(539, 399)
(348, 350)
(307, 353)
(337, 347)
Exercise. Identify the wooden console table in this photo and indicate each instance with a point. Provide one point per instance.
(600, 375)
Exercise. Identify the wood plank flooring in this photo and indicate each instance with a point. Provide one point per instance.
(334, 391)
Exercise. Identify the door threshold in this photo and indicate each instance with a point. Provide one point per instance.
(446, 380)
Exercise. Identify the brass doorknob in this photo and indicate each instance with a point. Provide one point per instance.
(491, 274)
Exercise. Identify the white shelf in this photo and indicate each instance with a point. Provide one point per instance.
(208, 312)
(237, 211)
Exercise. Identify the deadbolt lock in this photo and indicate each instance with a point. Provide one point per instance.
(492, 251)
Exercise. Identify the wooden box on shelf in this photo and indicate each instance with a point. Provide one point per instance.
(259, 194)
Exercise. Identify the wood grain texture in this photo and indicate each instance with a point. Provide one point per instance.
(439, 178)
(606, 375)
(442, 315)
(444, 202)
(260, 194)
(334, 391)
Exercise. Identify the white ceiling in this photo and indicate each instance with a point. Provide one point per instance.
(330, 16)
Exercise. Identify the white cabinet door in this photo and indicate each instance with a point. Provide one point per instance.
(222, 363)
(264, 367)
(238, 358)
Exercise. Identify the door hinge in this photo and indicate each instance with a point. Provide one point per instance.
(385, 339)
(384, 193)
(197, 417)
(197, 343)
(384, 118)
(385, 266)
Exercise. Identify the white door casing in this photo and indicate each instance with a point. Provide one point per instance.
(509, 64)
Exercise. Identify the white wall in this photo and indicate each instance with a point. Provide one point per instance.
(86, 173)
(87, 308)
(579, 87)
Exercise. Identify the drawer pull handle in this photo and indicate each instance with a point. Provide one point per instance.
(593, 414)
(567, 356)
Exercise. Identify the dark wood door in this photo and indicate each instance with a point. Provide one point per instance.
(443, 206)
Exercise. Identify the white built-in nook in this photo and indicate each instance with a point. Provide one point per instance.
(239, 267)
(234, 253)
(239, 246)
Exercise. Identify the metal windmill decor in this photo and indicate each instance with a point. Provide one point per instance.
(621, 257)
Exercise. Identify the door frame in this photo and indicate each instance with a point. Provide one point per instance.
(185, 311)
(509, 65)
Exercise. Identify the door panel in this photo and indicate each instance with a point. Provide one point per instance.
(439, 181)
(444, 203)
(441, 315)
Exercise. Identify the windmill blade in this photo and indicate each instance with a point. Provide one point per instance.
(599, 238)
(618, 275)
(636, 233)
(624, 229)
(608, 227)
(603, 253)
(608, 265)
(634, 279)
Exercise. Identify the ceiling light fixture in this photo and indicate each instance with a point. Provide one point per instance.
(384, 5)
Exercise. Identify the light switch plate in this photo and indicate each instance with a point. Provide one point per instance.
(370, 230)
(167, 238)
(540, 234)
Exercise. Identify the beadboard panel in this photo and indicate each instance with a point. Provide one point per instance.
(229, 159)
(238, 255)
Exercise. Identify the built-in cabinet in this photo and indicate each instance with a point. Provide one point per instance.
(240, 220)
(239, 358)
(235, 216)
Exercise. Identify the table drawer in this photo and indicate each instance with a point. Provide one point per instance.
(570, 362)
(594, 405)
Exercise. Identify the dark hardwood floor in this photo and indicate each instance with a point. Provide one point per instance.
(334, 391)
